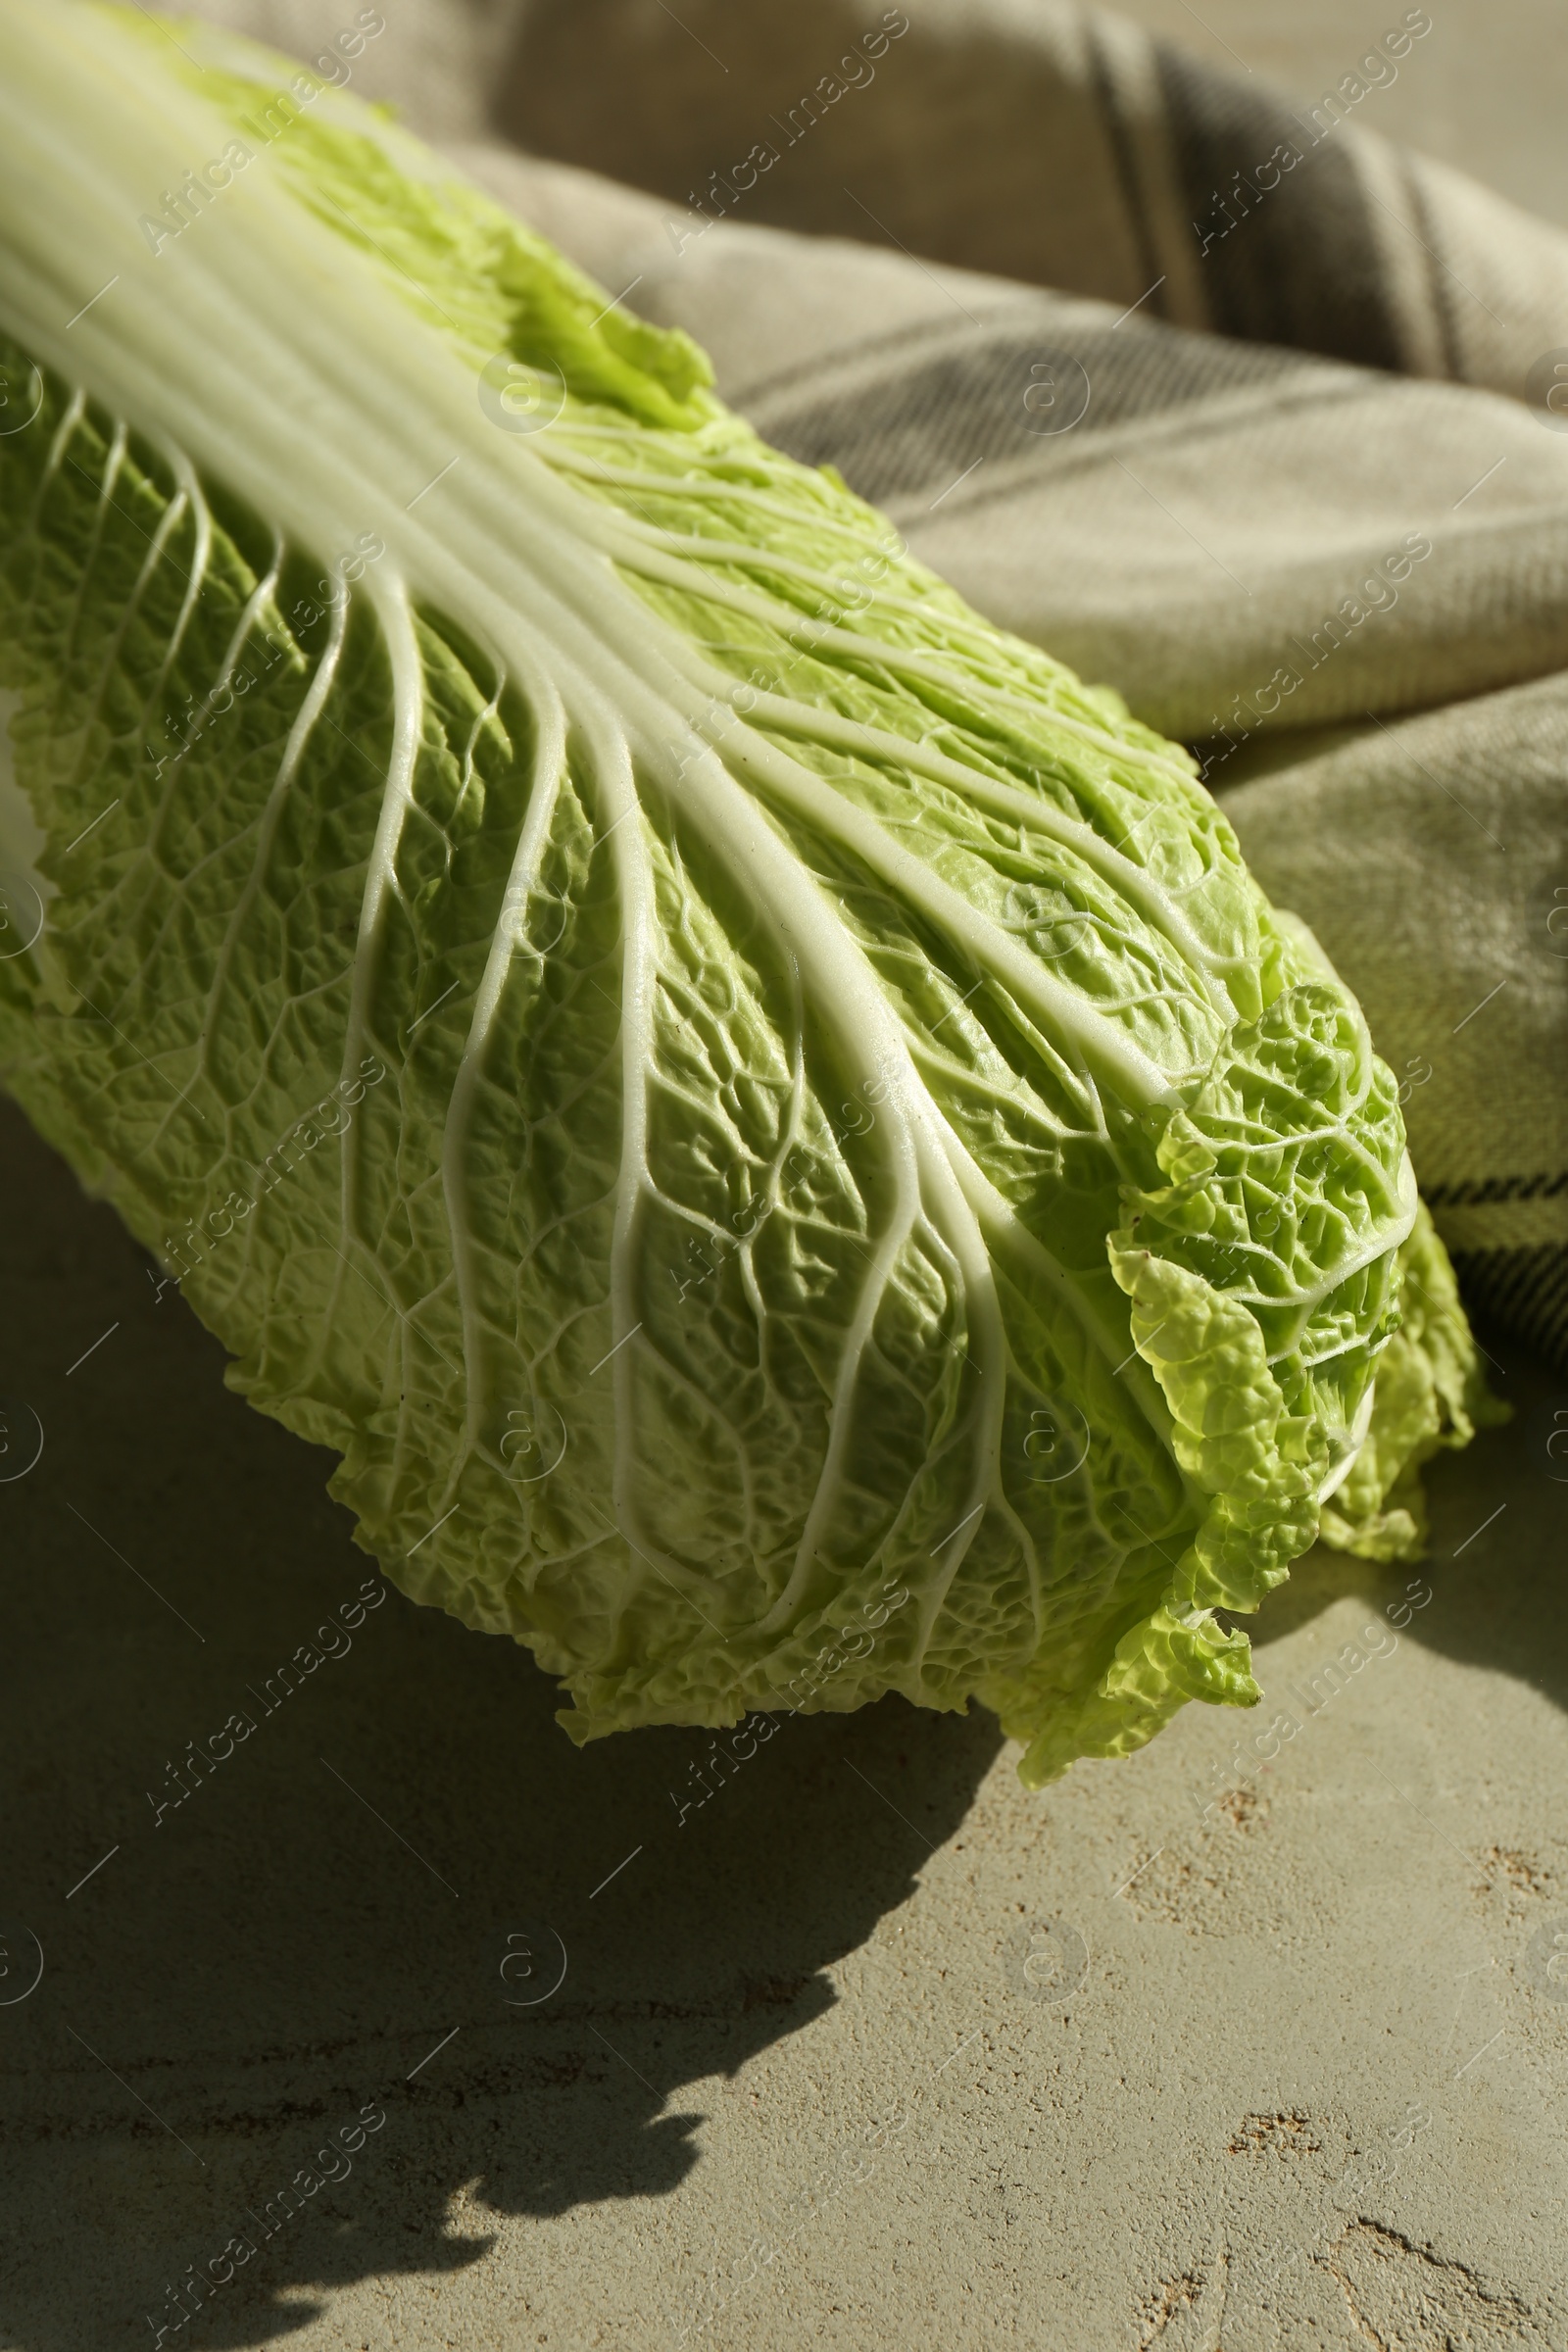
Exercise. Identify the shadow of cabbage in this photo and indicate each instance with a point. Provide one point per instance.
(321, 1925)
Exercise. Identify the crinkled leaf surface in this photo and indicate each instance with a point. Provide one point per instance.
(766, 1121)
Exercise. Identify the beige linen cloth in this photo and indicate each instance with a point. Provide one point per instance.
(1224, 401)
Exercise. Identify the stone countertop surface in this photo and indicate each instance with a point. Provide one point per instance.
(1256, 2041)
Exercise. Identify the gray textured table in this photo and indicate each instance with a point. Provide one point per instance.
(1260, 2033)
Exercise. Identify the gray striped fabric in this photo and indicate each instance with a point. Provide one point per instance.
(1223, 400)
(1062, 147)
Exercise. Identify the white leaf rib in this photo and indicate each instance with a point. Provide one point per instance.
(188, 489)
(755, 857)
(1053, 687)
(239, 637)
(299, 736)
(60, 441)
(884, 652)
(1097, 1044)
(481, 721)
(114, 456)
(1131, 882)
(395, 612)
(393, 609)
(166, 523)
(610, 764)
(872, 1044)
(522, 880)
(114, 459)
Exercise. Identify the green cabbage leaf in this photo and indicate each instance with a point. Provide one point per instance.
(766, 1123)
